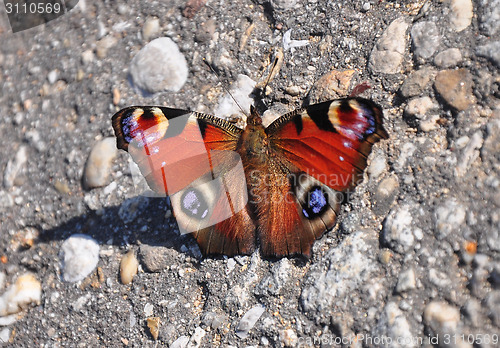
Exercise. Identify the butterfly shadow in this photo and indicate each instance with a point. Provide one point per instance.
(139, 220)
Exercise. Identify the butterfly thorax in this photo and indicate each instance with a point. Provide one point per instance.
(254, 142)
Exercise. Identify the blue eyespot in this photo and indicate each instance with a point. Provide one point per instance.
(316, 202)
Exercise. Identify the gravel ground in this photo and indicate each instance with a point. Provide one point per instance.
(415, 258)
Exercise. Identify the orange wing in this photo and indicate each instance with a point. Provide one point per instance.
(316, 155)
(190, 156)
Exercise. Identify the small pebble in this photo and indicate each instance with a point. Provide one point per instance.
(387, 55)
(461, 14)
(156, 258)
(455, 87)
(88, 56)
(417, 82)
(180, 342)
(79, 257)
(52, 76)
(128, 267)
(104, 44)
(289, 338)
(151, 28)
(429, 123)
(6, 200)
(283, 4)
(489, 16)
(154, 326)
(377, 166)
(14, 166)
(425, 38)
(469, 154)
(449, 217)
(332, 85)
(420, 106)
(406, 281)
(490, 50)
(159, 66)
(385, 194)
(4, 335)
(441, 317)
(98, 165)
(26, 290)
(397, 232)
(148, 309)
(394, 325)
(196, 339)
(249, 320)
(448, 58)
(241, 90)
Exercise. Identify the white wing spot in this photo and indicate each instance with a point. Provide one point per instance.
(341, 158)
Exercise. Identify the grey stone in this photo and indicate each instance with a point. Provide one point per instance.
(394, 325)
(491, 51)
(387, 55)
(79, 256)
(385, 194)
(489, 17)
(469, 154)
(420, 106)
(493, 306)
(14, 166)
(248, 321)
(274, 282)
(425, 38)
(159, 66)
(449, 217)
(418, 81)
(348, 266)
(398, 230)
(406, 281)
(448, 58)
(196, 338)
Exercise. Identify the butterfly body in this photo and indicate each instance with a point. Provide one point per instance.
(278, 187)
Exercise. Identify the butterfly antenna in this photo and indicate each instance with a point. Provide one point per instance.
(223, 85)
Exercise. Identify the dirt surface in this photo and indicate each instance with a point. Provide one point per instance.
(416, 253)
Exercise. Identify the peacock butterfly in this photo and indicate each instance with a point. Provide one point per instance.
(278, 187)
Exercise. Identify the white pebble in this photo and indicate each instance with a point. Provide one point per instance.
(27, 289)
(159, 66)
(248, 321)
(98, 165)
(148, 310)
(79, 257)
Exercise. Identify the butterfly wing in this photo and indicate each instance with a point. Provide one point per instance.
(190, 157)
(321, 152)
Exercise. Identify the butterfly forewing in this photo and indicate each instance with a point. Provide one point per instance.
(190, 156)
